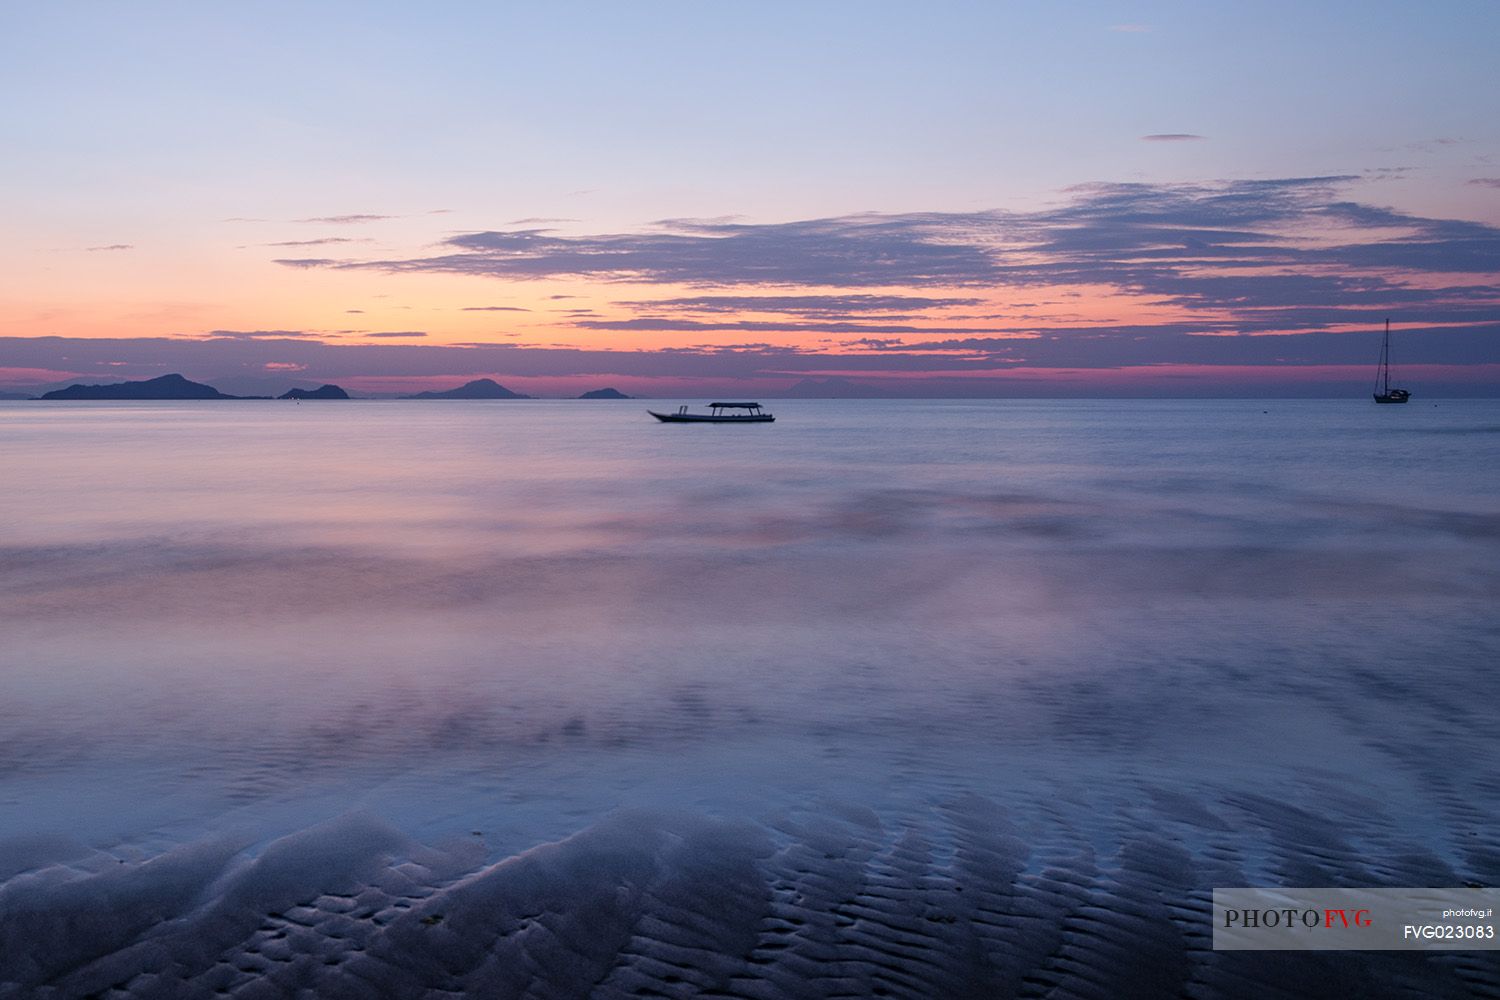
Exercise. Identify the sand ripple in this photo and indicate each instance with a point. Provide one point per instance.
(830, 902)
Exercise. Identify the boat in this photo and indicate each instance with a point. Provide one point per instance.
(719, 413)
(1384, 393)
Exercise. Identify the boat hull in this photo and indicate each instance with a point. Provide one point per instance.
(1394, 396)
(699, 418)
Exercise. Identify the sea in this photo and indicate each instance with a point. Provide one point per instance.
(926, 698)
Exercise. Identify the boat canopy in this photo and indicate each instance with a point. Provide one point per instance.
(735, 406)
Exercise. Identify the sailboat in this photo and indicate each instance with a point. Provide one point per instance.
(1384, 393)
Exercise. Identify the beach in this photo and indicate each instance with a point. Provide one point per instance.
(889, 698)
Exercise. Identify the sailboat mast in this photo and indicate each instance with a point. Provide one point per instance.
(1385, 359)
(1383, 391)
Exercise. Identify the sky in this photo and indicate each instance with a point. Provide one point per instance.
(946, 199)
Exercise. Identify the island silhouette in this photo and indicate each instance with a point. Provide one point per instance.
(172, 386)
(327, 391)
(480, 388)
(604, 394)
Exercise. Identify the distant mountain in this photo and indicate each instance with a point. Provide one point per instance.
(165, 387)
(604, 394)
(829, 388)
(480, 388)
(321, 392)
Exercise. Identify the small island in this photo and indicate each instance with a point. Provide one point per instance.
(163, 387)
(328, 391)
(604, 394)
(480, 388)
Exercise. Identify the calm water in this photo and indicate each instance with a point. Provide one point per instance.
(1259, 635)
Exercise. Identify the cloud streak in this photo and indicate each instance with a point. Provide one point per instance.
(803, 305)
(666, 324)
(259, 335)
(849, 251)
(347, 220)
(313, 243)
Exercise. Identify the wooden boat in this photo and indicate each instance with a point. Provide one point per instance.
(717, 415)
(1385, 394)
